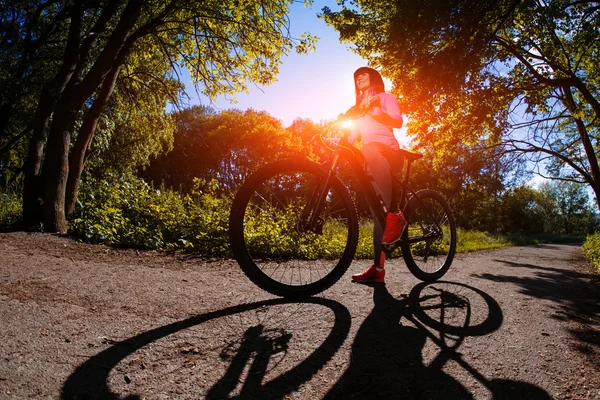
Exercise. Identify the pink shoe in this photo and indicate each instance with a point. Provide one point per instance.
(394, 226)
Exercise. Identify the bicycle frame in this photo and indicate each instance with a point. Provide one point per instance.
(312, 197)
(344, 151)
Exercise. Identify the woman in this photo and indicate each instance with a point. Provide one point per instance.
(376, 113)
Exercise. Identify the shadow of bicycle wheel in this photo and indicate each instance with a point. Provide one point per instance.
(455, 308)
(178, 351)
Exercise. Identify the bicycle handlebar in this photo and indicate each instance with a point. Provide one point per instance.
(353, 113)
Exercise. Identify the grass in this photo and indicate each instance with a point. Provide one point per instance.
(468, 241)
(474, 240)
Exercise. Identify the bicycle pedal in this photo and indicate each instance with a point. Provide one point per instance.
(389, 248)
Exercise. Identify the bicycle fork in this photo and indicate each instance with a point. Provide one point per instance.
(310, 218)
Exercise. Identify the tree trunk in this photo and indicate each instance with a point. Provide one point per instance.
(56, 164)
(33, 184)
(64, 111)
(588, 147)
(33, 188)
(596, 188)
(84, 139)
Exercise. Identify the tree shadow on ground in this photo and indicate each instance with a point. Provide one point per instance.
(387, 353)
(576, 295)
(90, 380)
(554, 246)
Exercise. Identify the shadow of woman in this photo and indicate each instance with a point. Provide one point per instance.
(386, 359)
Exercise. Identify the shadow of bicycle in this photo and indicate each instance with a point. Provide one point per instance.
(270, 349)
(387, 360)
(245, 345)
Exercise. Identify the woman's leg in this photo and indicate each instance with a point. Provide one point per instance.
(379, 169)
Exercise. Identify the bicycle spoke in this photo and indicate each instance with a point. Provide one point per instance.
(431, 237)
(281, 243)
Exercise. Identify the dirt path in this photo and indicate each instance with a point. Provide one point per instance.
(84, 321)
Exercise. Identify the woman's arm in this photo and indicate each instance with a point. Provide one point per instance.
(391, 116)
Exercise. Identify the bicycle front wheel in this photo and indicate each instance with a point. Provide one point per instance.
(270, 235)
(429, 241)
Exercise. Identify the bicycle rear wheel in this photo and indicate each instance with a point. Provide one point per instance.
(269, 235)
(429, 241)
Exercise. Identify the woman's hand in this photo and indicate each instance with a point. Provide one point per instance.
(369, 102)
(374, 107)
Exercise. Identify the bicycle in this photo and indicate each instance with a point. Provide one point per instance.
(294, 227)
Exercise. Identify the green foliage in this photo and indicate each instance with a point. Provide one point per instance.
(130, 212)
(10, 206)
(135, 125)
(519, 211)
(225, 45)
(591, 249)
(555, 208)
(25, 65)
(472, 182)
(226, 146)
(517, 76)
(567, 208)
(127, 211)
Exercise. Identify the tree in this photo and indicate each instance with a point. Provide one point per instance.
(223, 44)
(226, 146)
(473, 183)
(522, 75)
(568, 208)
(519, 211)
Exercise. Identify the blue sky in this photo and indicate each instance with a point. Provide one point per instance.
(319, 84)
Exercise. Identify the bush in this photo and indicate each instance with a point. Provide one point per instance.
(130, 212)
(591, 249)
(11, 207)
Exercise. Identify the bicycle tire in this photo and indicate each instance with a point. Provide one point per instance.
(266, 239)
(427, 255)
